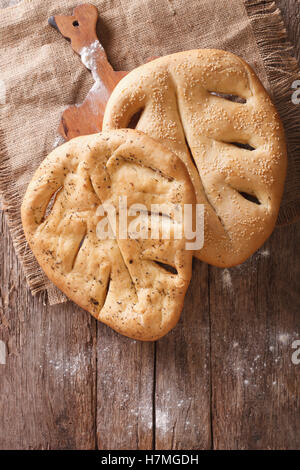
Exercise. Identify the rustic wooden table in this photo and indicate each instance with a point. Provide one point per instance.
(223, 379)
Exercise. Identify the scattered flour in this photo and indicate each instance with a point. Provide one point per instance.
(88, 57)
(264, 253)
(248, 265)
(226, 278)
(59, 140)
(134, 412)
(146, 415)
(284, 338)
(69, 367)
(162, 421)
(2, 353)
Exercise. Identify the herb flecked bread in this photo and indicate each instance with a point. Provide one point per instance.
(209, 107)
(124, 283)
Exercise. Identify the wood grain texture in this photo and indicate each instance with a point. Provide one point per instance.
(125, 392)
(182, 389)
(255, 319)
(47, 387)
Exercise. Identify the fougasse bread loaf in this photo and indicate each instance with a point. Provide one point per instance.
(136, 286)
(209, 107)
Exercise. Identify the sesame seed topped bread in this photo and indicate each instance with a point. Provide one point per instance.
(125, 283)
(209, 107)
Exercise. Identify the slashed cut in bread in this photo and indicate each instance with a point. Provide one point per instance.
(209, 107)
(137, 287)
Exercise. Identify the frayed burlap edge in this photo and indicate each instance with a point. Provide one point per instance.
(282, 70)
(11, 203)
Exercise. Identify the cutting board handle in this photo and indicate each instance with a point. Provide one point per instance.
(80, 29)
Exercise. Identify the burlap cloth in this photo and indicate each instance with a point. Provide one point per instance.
(40, 75)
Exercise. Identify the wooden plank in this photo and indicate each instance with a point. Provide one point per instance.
(47, 386)
(125, 392)
(254, 317)
(182, 389)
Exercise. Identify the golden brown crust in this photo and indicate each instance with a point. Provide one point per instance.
(177, 94)
(117, 281)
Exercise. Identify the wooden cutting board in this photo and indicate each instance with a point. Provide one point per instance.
(80, 29)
